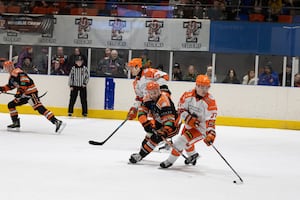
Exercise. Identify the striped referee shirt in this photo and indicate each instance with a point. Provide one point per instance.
(79, 76)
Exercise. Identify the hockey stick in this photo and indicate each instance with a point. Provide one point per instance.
(228, 164)
(173, 147)
(9, 93)
(101, 143)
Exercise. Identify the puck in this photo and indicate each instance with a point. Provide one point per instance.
(234, 181)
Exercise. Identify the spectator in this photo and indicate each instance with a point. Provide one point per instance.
(56, 68)
(103, 62)
(177, 74)
(217, 11)
(249, 78)
(297, 80)
(71, 60)
(25, 53)
(209, 74)
(114, 66)
(198, 11)
(28, 67)
(275, 8)
(146, 62)
(62, 58)
(78, 80)
(2, 60)
(268, 77)
(191, 75)
(288, 76)
(231, 77)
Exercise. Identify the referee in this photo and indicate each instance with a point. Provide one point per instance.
(78, 80)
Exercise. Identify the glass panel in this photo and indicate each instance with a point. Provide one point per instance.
(200, 60)
(274, 63)
(240, 63)
(4, 55)
(103, 65)
(32, 59)
(66, 57)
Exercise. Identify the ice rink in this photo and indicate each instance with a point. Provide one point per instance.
(37, 164)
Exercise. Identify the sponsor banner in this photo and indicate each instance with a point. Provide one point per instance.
(25, 29)
(119, 33)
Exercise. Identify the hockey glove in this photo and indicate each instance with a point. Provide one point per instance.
(148, 127)
(192, 121)
(132, 113)
(18, 96)
(210, 137)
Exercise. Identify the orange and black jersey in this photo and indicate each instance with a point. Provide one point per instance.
(162, 110)
(20, 80)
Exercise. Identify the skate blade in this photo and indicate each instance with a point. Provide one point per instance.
(13, 129)
(62, 127)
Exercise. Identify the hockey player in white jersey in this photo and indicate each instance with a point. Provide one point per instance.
(199, 111)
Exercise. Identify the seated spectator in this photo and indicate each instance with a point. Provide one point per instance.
(275, 8)
(268, 77)
(198, 11)
(62, 58)
(231, 77)
(249, 78)
(2, 60)
(146, 62)
(297, 80)
(28, 67)
(209, 74)
(288, 76)
(25, 53)
(114, 66)
(177, 74)
(191, 75)
(56, 68)
(217, 11)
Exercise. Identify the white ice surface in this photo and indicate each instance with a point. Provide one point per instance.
(37, 164)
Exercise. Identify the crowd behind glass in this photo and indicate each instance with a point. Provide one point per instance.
(229, 68)
(185, 66)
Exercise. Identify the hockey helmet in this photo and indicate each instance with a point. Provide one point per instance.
(135, 62)
(152, 85)
(8, 65)
(202, 80)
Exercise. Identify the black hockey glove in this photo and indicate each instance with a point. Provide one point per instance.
(148, 127)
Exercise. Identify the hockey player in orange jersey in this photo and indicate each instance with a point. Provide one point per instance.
(162, 109)
(26, 93)
(199, 111)
(142, 77)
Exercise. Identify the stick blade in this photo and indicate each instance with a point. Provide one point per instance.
(92, 142)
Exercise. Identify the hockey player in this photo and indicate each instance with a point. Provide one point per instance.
(142, 77)
(199, 111)
(26, 93)
(161, 107)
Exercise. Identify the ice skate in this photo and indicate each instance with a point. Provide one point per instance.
(15, 126)
(192, 159)
(59, 126)
(165, 164)
(134, 158)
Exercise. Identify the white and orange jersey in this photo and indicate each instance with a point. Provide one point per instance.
(204, 108)
(147, 75)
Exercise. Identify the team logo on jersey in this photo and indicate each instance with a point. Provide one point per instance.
(154, 30)
(84, 27)
(117, 30)
(192, 31)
